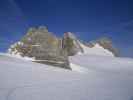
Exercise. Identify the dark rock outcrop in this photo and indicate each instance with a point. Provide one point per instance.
(44, 47)
(71, 44)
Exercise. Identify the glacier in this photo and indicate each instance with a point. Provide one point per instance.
(95, 78)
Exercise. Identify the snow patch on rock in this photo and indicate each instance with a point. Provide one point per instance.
(13, 52)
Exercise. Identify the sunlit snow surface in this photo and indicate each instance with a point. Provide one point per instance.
(105, 78)
(96, 50)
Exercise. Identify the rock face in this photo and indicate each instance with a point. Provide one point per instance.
(46, 48)
(43, 46)
(71, 44)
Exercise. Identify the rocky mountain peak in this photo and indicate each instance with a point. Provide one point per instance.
(106, 43)
(46, 48)
(70, 35)
(71, 44)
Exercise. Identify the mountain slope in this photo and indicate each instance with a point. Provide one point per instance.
(116, 65)
(96, 50)
(74, 46)
(25, 80)
(42, 46)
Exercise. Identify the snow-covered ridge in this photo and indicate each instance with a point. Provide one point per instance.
(39, 45)
(96, 50)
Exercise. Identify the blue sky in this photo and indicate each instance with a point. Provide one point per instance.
(88, 19)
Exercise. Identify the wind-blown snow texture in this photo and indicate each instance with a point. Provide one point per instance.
(106, 78)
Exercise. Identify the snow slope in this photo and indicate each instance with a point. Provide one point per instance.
(97, 63)
(107, 78)
(96, 50)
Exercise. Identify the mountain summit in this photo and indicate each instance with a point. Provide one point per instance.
(71, 44)
(42, 46)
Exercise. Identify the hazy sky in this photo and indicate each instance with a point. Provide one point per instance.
(88, 19)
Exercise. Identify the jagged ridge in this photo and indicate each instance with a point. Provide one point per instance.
(45, 47)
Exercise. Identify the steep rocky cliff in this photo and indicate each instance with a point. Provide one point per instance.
(71, 44)
(44, 47)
